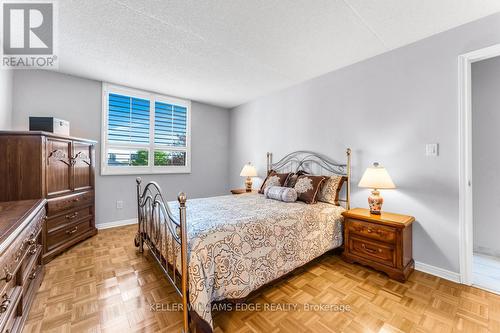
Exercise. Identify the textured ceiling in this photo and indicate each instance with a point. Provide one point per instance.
(227, 52)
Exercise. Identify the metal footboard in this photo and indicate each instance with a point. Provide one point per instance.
(165, 235)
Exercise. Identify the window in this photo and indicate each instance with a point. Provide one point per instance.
(144, 133)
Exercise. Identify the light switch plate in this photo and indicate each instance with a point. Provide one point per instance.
(119, 204)
(432, 149)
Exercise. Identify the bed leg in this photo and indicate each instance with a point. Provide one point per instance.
(139, 240)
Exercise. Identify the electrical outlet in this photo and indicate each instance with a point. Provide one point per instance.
(432, 149)
(119, 204)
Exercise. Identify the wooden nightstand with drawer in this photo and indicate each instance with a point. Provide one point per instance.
(383, 242)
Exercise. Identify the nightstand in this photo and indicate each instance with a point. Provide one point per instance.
(242, 191)
(383, 242)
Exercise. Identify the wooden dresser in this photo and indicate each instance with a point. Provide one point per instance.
(21, 265)
(383, 242)
(58, 168)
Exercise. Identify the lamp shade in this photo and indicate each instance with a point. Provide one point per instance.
(248, 171)
(376, 177)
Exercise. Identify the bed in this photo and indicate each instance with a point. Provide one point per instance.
(226, 247)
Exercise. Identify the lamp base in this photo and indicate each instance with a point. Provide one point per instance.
(248, 184)
(375, 202)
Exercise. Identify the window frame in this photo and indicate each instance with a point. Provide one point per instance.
(106, 169)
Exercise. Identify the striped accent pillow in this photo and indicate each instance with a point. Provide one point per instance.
(285, 194)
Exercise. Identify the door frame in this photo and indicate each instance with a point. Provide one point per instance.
(465, 157)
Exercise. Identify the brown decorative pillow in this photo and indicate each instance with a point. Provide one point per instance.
(307, 188)
(292, 179)
(331, 188)
(274, 179)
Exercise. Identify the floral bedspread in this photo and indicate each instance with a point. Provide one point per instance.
(238, 243)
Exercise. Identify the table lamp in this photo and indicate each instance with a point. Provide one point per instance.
(248, 171)
(376, 177)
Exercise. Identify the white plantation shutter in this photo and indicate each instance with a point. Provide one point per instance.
(170, 124)
(144, 133)
(128, 119)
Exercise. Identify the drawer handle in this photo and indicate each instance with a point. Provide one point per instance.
(72, 216)
(8, 275)
(32, 250)
(33, 275)
(371, 231)
(32, 239)
(72, 231)
(5, 304)
(367, 249)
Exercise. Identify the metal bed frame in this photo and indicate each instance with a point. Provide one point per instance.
(307, 160)
(157, 224)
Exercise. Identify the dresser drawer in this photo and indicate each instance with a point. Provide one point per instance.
(68, 217)
(30, 261)
(371, 230)
(11, 266)
(9, 313)
(375, 251)
(33, 278)
(69, 202)
(12, 260)
(68, 232)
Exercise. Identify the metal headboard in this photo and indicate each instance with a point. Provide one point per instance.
(306, 160)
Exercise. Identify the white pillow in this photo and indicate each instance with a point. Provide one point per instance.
(285, 194)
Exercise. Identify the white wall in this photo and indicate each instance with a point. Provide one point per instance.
(386, 109)
(78, 100)
(486, 155)
(5, 99)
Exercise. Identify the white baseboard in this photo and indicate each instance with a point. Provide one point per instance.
(440, 272)
(115, 224)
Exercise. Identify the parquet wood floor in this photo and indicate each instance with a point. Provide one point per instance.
(103, 285)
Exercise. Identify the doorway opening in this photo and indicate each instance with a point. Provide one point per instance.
(479, 110)
(485, 101)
